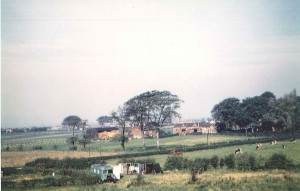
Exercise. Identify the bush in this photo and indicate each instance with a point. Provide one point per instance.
(222, 162)
(229, 161)
(246, 161)
(20, 148)
(7, 171)
(73, 148)
(279, 161)
(214, 161)
(74, 163)
(201, 163)
(37, 148)
(177, 162)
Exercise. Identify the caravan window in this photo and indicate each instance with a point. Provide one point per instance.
(94, 170)
(136, 164)
(98, 171)
(110, 171)
(104, 171)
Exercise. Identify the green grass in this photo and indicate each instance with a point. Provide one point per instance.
(48, 140)
(292, 151)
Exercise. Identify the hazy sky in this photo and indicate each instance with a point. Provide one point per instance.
(85, 58)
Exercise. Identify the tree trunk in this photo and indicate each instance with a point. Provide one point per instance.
(207, 135)
(123, 142)
(157, 140)
(143, 137)
(73, 142)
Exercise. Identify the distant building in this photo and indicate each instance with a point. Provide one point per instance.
(102, 133)
(194, 128)
(9, 130)
(136, 133)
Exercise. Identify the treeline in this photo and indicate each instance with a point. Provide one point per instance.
(259, 113)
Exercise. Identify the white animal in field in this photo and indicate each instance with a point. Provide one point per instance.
(258, 146)
(238, 151)
(273, 142)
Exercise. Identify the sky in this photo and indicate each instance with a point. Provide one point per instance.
(86, 58)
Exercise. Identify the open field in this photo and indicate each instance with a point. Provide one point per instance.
(292, 151)
(213, 179)
(19, 158)
(48, 140)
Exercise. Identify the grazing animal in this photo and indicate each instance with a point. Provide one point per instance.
(283, 146)
(273, 142)
(293, 140)
(238, 151)
(176, 152)
(258, 146)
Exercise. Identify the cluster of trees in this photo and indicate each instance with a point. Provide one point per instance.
(151, 108)
(264, 112)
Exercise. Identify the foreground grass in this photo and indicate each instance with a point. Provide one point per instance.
(212, 180)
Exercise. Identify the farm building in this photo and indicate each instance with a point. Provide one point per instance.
(190, 128)
(103, 133)
(136, 133)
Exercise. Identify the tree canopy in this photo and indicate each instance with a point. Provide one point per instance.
(264, 112)
(72, 121)
(152, 107)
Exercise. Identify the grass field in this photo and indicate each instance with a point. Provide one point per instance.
(213, 179)
(13, 157)
(48, 140)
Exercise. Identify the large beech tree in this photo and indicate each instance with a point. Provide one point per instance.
(152, 107)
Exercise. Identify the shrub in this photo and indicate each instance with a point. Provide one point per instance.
(37, 148)
(214, 161)
(246, 161)
(278, 161)
(177, 162)
(75, 163)
(73, 148)
(201, 163)
(229, 161)
(20, 148)
(222, 162)
(7, 171)
(7, 148)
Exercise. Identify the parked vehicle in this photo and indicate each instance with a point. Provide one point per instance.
(138, 168)
(105, 173)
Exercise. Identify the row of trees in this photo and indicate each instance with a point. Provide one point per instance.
(151, 108)
(155, 108)
(264, 112)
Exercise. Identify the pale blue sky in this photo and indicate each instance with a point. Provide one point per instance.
(63, 57)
